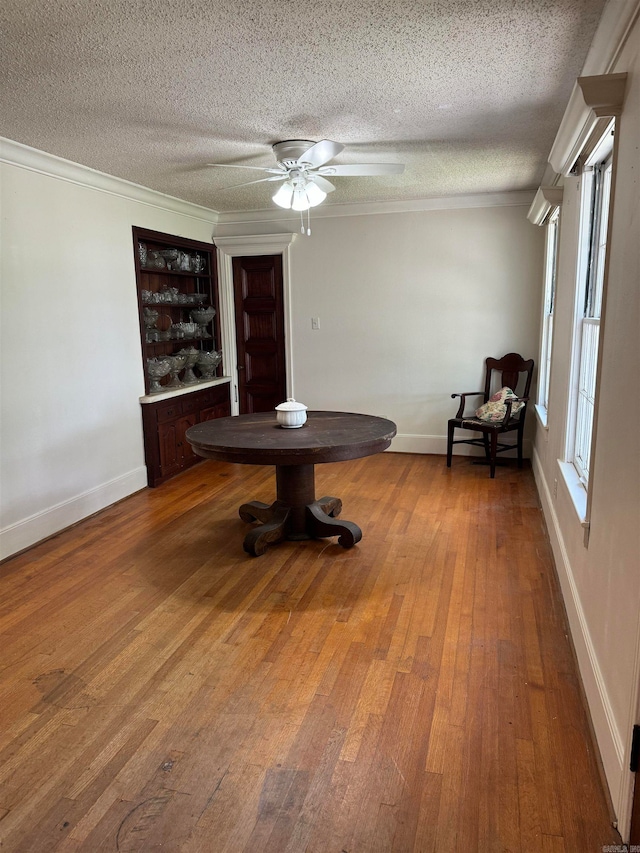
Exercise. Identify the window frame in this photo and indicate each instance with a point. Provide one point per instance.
(589, 305)
(552, 239)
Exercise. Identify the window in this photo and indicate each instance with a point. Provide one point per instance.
(551, 262)
(596, 195)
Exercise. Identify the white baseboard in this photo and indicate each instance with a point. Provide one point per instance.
(437, 444)
(608, 735)
(16, 537)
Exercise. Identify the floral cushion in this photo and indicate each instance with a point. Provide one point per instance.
(495, 409)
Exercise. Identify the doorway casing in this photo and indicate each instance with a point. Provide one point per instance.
(245, 246)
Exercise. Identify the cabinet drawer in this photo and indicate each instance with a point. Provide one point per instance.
(215, 395)
(191, 403)
(168, 411)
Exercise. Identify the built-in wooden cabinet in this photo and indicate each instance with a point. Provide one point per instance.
(177, 287)
(165, 422)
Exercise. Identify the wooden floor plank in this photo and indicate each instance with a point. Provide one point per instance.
(160, 689)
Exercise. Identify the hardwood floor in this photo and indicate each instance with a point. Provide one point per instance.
(162, 690)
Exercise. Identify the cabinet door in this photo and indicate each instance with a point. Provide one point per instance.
(170, 458)
(185, 452)
(208, 414)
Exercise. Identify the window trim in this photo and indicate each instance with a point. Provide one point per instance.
(552, 240)
(605, 149)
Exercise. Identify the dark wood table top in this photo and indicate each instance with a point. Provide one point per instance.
(258, 439)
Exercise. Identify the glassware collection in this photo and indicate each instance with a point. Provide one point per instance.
(174, 260)
(177, 311)
(184, 361)
(172, 296)
(160, 327)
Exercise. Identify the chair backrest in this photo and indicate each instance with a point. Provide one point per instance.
(511, 366)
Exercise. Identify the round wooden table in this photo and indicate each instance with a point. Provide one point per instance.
(258, 439)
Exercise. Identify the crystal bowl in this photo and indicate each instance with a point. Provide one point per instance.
(157, 368)
(202, 316)
(168, 254)
(191, 354)
(177, 362)
(208, 362)
(150, 317)
(188, 329)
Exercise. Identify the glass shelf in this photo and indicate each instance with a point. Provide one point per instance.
(160, 271)
(179, 342)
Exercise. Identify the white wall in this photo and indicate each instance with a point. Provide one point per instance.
(70, 349)
(601, 582)
(410, 305)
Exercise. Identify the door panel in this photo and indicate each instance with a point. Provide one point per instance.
(257, 284)
(634, 837)
(169, 461)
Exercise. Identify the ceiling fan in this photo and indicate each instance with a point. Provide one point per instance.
(302, 165)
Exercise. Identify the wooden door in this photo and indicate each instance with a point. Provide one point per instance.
(634, 836)
(257, 284)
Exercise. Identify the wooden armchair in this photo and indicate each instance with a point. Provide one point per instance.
(513, 369)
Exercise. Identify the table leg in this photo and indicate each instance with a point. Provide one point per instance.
(320, 525)
(273, 530)
(296, 514)
(296, 487)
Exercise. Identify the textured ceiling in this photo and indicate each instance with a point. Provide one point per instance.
(467, 93)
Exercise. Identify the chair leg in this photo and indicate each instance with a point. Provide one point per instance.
(451, 428)
(494, 449)
(487, 452)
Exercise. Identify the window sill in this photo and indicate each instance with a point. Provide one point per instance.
(542, 414)
(577, 491)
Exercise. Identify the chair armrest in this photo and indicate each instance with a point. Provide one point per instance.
(508, 403)
(460, 412)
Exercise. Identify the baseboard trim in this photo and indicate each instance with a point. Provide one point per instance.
(437, 444)
(610, 742)
(16, 537)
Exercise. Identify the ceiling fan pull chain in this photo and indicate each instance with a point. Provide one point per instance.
(308, 222)
(301, 223)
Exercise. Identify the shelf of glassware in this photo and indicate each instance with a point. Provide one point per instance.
(179, 322)
(171, 393)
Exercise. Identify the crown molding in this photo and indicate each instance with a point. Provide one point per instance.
(498, 199)
(254, 244)
(604, 93)
(579, 120)
(546, 200)
(594, 97)
(575, 128)
(618, 17)
(15, 154)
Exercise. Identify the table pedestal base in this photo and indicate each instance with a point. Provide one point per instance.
(296, 514)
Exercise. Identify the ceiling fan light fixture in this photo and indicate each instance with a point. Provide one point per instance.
(302, 165)
(284, 195)
(300, 200)
(315, 195)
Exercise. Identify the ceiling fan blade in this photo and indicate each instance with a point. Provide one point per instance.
(363, 169)
(320, 153)
(325, 185)
(255, 168)
(259, 181)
